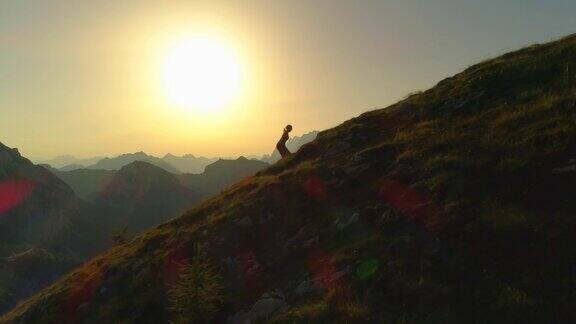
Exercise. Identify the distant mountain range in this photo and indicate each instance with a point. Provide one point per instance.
(52, 220)
(118, 162)
(187, 163)
(68, 161)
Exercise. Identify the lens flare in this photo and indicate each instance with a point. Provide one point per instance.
(13, 193)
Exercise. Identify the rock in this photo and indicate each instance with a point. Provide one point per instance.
(83, 306)
(311, 241)
(571, 167)
(306, 236)
(377, 206)
(420, 186)
(267, 306)
(389, 216)
(308, 287)
(344, 223)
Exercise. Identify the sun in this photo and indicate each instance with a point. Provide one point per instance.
(202, 74)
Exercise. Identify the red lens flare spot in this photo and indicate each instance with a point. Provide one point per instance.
(416, 205)
(81, 293)
(325, 271)
(174, 263)
(321, 267)
(13, 193)
(315, 188)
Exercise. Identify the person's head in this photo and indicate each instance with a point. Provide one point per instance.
(288, 128)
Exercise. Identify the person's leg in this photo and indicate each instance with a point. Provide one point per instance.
(281, 145)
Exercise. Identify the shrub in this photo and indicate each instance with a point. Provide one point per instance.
(199, 293)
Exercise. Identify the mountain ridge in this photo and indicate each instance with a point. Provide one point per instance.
(118, 162)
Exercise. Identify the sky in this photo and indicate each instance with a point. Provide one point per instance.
(85, 77)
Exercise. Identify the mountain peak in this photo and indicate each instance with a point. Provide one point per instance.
(11, 161)
(14, 151)
(144, 170)
(140, 154)
(120, 161)
(142, 165)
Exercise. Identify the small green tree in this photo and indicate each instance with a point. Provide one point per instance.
(199, 293)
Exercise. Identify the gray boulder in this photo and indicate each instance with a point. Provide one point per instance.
(268, 305)
(343, 222)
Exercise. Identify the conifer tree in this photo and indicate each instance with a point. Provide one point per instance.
(198, 294)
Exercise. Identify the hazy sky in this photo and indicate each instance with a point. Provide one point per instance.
(81, 77)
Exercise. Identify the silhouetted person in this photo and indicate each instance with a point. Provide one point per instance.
(281, 146)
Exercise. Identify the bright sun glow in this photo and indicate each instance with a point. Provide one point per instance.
(201, 74)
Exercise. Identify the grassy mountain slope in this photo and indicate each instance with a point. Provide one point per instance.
(454, 205)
